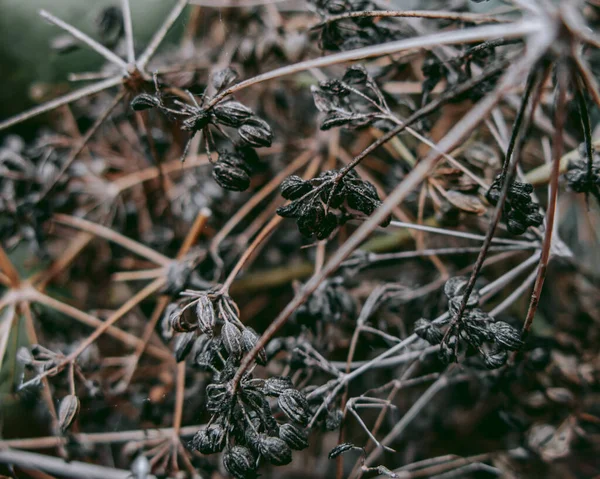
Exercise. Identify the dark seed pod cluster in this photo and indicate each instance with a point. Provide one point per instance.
(232, 169)
(459, 69)
(313, 201)
(583, 177)
(351, 33)
(354, 101)
(480, 331)
(242, 423)
(520, 211)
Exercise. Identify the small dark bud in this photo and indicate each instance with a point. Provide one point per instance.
(249, 340)
(67, 410)
(295, 406)
(179, 321)
(274, 386)
(232, 113)
(256, 132)
(294, 187)
(275, 450)
(341, 449)
(326, 226)
(232, 339)
(224, 78)
(506, 336)
(209, 440)
(143, 101)
(240, 462)
(455, 286)
(495, 359)
(446, 353)
(183, 345)
(217, 397)
(294, 437)
(428, 331)
(205, 313)
(231, 177)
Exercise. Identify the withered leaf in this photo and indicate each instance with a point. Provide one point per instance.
(468, 203)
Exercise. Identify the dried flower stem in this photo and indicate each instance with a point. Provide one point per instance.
(437, 14)
(113, 236)
(557, 151)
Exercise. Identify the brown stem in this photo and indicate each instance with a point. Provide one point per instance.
(8, 268)
(113, 236)
(266, 231)
(557, 150)
(126, 338)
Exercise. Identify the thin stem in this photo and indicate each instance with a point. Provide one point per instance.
(458, 234)
(82, 37)
(54, 465)
(42, 279)
(8, 268)
(557, 149)
(160, 34)
(265, 232)
(437, 14)
(60, 101)
(179, 395)
(513, 30)
(126, 9)
(113, 236)
(126, 338)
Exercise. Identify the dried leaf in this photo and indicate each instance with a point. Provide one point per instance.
(468, 203)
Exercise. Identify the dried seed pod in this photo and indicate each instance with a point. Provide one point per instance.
(446, 353)
(232, 113)
(218, 397)
(356, 75)
(239, 462)
(294, 405)
(274, 450)
(294, 187)
(326, 226)
(224, 78)
(294, 437)
(341, 449)
(428, 331)
(232, 338)
(183, 345)
(249, 340)
(205, 312)
(293, 210)
(231, 177)
(506, 336)
(67, 410)
(334, 419)
(209, 440)
(276, 385)
(256, 132)
(143, 101)
(495, 359)
(455, 286)
(179, 321)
